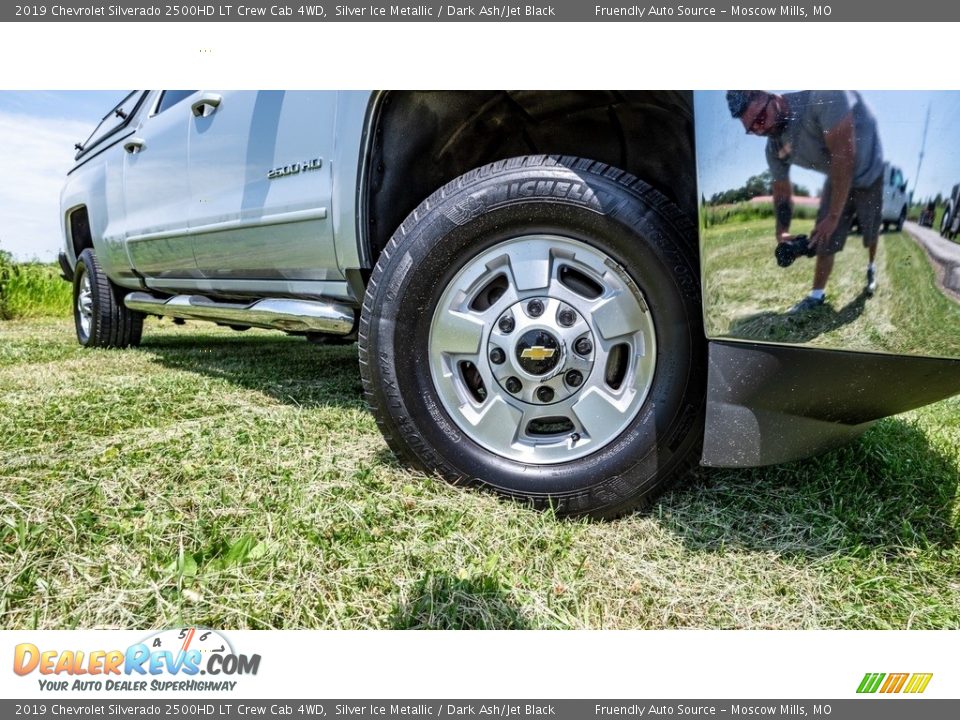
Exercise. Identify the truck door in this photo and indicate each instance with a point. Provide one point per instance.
(261, 186)
(897, 192)
(157, 189)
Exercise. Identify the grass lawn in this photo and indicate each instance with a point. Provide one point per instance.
(237, 481)
(748, 294)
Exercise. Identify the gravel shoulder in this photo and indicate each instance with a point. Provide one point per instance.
(944, 256)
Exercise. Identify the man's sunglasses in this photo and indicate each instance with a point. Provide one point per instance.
(760, 121)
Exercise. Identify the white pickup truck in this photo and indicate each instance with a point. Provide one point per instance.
(895, 198)
(521, 271)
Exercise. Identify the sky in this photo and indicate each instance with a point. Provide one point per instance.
(40, 128)
(727, 156)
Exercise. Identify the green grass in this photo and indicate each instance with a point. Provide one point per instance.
(745, 211)
(237, 481)
(29, 290)
(748, 294)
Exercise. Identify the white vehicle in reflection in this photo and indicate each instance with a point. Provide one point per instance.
(896, 199)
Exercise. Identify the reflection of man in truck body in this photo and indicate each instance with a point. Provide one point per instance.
(832, 132)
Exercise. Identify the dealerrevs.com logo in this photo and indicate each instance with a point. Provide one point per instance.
(890, 683)
(168, 660)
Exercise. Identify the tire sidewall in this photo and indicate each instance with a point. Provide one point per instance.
(83, 269)
(609, 217)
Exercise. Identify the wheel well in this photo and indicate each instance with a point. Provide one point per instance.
(421, 140)
(79, 224)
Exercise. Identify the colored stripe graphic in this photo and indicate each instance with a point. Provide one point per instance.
(894, 683)
(918, 682)
(870, 682)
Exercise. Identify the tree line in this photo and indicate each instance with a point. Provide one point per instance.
(755, 186)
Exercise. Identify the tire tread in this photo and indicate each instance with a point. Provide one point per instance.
(113, 324)
(413, 449)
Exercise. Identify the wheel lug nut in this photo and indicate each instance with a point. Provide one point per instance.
(566, 317)
(535, 308)
(583, 346)
(545, 394)
(507, 324)
(497, 356)
(574, 378)
(513, 385)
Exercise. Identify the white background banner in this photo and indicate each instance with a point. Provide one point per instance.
(544, 664)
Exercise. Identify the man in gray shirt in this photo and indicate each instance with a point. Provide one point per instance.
(832, 132)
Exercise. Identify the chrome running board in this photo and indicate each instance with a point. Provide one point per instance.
(271, 313)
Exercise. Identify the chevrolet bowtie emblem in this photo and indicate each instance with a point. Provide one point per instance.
(538, 352)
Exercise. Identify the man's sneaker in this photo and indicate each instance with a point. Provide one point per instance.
(871, 281)
(805, 305)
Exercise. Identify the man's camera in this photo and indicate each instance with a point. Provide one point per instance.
(787, 252)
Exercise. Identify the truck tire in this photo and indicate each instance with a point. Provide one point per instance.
(945, 221)
(534, 327)
(902, 219)
(100, 317)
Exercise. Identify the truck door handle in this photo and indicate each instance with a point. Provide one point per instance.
(206, 105)
(134, 145)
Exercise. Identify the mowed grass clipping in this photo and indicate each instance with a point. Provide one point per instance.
(236, 480)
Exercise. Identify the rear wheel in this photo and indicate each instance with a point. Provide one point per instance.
(100, 317)
(902, 219)
(534, 327)
(945, 221)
